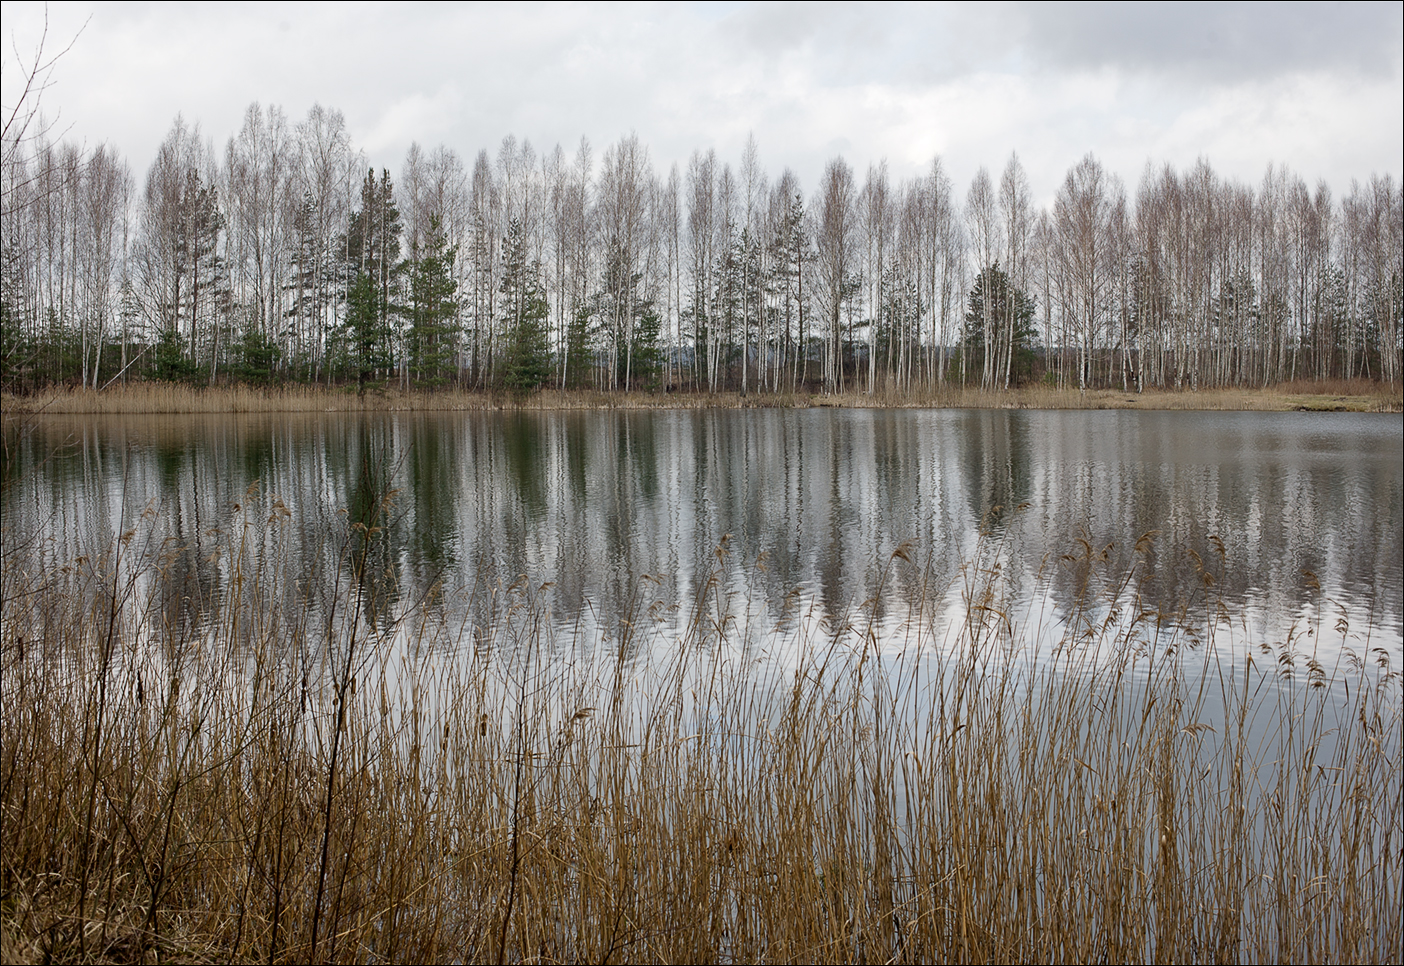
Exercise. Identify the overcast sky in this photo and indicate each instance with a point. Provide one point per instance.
(1316, 86)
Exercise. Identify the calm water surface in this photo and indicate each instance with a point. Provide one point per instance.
(777, 509)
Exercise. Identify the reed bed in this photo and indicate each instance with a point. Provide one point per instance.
(1338, 395)
(239, 779)
(154, 398)
(171, 398)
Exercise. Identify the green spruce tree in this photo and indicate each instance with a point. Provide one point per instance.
(366, 337)
(433, 308)
(525, 315)
(995, 303)
(364, 341)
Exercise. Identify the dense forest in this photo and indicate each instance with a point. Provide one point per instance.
(286, 258)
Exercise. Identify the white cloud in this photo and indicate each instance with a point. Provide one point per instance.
(416, 117)
(902, 82)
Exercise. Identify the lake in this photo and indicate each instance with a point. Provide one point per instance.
(1106, 685)
(1295, 517)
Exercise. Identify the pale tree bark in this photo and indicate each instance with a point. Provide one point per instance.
(180, 245)
(580, 258)
(486, 229)
(623, 209)
(787, 266)
(945, 264)
(909, 272)
(876, 211)
(985, 232)
(753, 187)
(1381, 227)
(326, 181)
(668, 217)
(835, 231)
(727, 275)
(1016, 214)
(107, 196)
(701, 230)
(554, 184)
(1082, 213)
(1149, 280)
(1273, 276)
(1119, 264)
(1043, 270)
(257, 185)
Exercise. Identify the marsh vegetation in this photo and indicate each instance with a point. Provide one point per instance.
(271, 781)
(781, 685)
(1332, 395)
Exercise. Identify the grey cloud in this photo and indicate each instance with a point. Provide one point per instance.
(1216, 42)
(773, 28)
(909, 44)
(857, 43)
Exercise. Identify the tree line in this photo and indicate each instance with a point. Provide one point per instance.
(287, 258)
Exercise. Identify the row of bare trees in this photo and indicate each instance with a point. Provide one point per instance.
(557, 268)
(1204, 281)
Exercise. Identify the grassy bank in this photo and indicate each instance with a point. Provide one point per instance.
(1330, 396)
(271, 784)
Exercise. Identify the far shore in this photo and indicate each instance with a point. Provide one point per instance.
(163, 398)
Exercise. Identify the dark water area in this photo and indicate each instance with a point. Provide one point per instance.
(1295, 517)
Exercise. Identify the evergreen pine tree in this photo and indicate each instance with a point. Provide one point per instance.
(373, 272)
(365, 346)
(433, 307)
(525, 315)
(993, 297)
(579, 347)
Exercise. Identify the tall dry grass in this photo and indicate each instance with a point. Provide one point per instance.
(277, 783)
(1358, 395)
(174, 398)
(146, 398)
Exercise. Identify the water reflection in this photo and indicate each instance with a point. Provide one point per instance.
(414, 507)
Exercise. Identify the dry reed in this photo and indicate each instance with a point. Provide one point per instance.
(282, 784)
(145, 398)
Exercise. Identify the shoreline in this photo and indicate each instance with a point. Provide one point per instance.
(159, 398)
